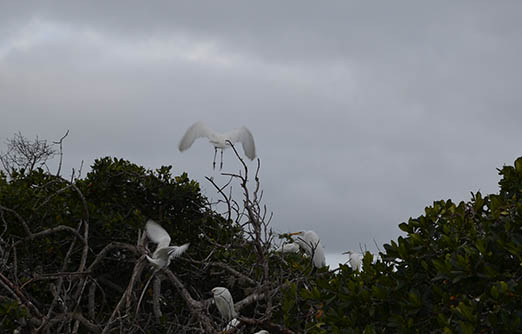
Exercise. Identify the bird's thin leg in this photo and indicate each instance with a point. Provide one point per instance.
(221, 166)
(214, 162)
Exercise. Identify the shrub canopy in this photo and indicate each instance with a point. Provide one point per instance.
(72, 256)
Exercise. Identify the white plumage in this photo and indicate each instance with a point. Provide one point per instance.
(219, 140)
(232, 324)
(355, 260)
(290, 247)
(224, 303)
(164, 253)
(263, 331)
(310, 243)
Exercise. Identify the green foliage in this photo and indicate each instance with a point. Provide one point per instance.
(12, 315)
(457, 270)
(116, 198)
(122, 194)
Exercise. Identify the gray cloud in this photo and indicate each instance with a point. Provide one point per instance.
(363, 114)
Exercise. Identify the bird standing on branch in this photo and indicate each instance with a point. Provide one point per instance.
(311, 245)
(355, 260)
(224, 303)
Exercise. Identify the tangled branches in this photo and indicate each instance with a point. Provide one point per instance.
(72, 253)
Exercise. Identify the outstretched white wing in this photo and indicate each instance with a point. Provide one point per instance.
(157, 234)
(197, 130)
(171, 252)
(244, 136)
(175, 251)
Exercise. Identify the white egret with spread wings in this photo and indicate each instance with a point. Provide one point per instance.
(164, 253)
(219, 140)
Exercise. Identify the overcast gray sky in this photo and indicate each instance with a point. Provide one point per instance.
(363, 112)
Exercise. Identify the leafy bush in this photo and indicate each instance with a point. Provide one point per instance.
(75, 250)
(44, 217)
(458, 270)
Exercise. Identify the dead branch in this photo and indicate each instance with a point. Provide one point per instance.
(113, 245)
(19, 295)
(195, 307)
(60, 142)
(226, 199)
(92, 300)
(227, 268)
(20, 219)
(25, 154)
(156, 293)
(53, 276)
(51, 230)
(58, 289)
(140, 264)
(92, 327)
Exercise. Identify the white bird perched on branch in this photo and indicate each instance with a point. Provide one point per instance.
(224, 303)
(164, 253)
(310, 243)
(219, 140)
(354, 259)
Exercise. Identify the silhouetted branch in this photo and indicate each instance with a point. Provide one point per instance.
(135, 273)
(25, 154)
(61, 152)
(195, 307)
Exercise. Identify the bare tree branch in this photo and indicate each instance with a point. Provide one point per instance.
(25, 154)
(135, 273)
(195, 307)
(60, 142)
(156, 293)
(19, 295)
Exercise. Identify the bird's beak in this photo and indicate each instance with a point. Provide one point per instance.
(294, 233)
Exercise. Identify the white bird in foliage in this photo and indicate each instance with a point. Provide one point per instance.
(290, 247)
(310, 243)
(164, 253)
(354, 259)
(219, 140)
(224, 303)
(263, 331)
